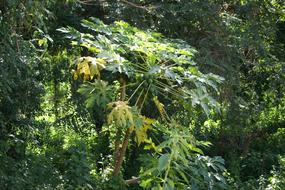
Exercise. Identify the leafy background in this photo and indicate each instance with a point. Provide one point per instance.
(51, 140)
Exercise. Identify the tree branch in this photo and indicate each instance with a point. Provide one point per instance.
(134, 5)
(134, 180)
(131, 4)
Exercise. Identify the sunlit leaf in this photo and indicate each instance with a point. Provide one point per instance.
(141, 131)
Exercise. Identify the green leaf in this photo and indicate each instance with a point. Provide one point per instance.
(70, 33)
(146, 183)
(158, 187)
(169, 185)
(181, 173)
(99, 93)
(154, 69)
(97, 26)
(163, 162)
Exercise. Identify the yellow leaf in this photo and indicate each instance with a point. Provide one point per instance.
(141, 132)
(84, 68)
(132, 128)
(94, 71)
(101, 61)
(75, 75)
(88, 67)
(149, 144)
(121, 114)
(160, 108)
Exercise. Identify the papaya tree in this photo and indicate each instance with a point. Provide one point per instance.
(128, 75)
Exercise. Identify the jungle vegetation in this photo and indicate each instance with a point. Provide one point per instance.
(142, 94)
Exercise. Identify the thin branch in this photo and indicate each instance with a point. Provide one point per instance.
(135, 5)
(134, 180)
(93, 2)
(86, 2)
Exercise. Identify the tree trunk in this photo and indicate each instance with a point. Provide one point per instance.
(119, 152)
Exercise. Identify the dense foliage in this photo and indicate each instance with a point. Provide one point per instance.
(142, 94)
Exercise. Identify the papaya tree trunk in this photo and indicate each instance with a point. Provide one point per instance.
(119, 152)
